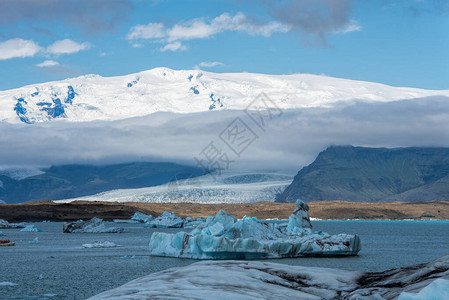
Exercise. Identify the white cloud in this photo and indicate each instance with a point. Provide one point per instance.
(18, 48)
(176, 46)
(149, 31)
(209, 64)
(47, 63)
(202, 29)
(67, 46)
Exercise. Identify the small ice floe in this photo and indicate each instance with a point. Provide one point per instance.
(35, 241)
(97, 244)
(95, 225)
(6, 225)
(1, 233)
(7, 283)
(267, 280)
(225, 237)
(166, 220)
(31, 228)
(128, 257)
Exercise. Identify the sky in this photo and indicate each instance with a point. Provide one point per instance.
(399, 43)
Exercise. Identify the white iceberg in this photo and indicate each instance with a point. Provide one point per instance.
(98, 244)
(166, 220)
(225, 237)
(30, 228)
(266, 280)
(95, 225)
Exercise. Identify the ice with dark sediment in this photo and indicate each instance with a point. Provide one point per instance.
(95, 225)
(267, 280)
(225, 237)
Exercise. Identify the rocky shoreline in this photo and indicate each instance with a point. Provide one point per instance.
(326, 210)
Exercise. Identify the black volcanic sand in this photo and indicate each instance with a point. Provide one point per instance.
(48, 210)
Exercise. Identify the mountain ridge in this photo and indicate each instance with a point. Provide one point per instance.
(362, 174)
(93, 97)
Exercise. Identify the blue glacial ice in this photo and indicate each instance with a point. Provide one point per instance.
(166, 220)
(30, 228)
(225, 237)
(436, 290)
(139, 217)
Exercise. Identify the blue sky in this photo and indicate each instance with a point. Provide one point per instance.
(399, 43)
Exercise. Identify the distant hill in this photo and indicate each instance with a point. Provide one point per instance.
(362, 174)
(69, 181)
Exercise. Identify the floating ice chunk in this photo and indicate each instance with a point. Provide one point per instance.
(437, 290)
(1, 233)
(97, 244)
(95, 225)
(139, 217)
(127, 257)
(225, 237)
(31, 228)
(190, 224)
(35, 241)
(7, 283)
(166, 220)
(6, 224)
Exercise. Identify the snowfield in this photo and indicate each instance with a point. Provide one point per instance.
(92, 97)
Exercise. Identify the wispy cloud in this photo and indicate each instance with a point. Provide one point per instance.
(209, 64)
(175, 46)
(202, 29)
(67, 46)
(47, 63)
(14, 48)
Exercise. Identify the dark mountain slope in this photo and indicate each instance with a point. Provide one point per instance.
(373, 174)
(68, 181)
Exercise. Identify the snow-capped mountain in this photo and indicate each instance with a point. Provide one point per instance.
(93, 97)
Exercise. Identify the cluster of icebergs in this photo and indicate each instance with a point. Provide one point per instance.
(6, 225)
(166, 220)
(226, 237)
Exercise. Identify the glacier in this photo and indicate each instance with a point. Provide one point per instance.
(267, 280)
(92, 97)
(225, 237)
(95, 225)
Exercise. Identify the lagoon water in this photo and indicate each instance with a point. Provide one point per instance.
(58, 267)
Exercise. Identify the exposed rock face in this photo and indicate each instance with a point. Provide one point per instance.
(373, 174)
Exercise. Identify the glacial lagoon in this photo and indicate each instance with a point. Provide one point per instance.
(58, 267)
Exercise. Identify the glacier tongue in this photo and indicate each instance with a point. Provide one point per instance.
(225, 237)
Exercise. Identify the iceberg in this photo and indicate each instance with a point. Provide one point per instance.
(30, 228)
(267, 280)
(166, 220)
(6, 225)
(95, 225)
(191, 224)
(225, 237)
(35, 241)
(1, 233)
(139, 217)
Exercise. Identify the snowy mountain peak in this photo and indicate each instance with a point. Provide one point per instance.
(92, 97)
